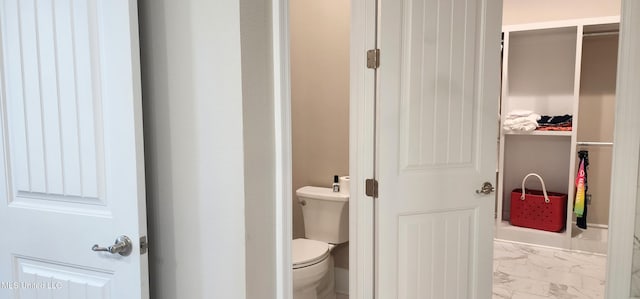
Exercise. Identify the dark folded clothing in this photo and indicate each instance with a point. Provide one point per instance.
(564, 124)
(546, 120)
(555, 123)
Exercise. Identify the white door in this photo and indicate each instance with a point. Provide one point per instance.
(437, 144)
(71, 152)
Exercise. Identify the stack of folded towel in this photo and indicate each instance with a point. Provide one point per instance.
(521, 121)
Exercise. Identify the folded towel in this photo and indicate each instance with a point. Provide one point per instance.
(518, 113)
(533, 118)
(521, 120)
(523, 127)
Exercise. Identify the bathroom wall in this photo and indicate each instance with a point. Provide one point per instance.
(526, 11)
(319, 98)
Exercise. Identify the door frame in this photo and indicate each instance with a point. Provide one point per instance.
(283, 176)
(362, 110)
(626, 151)
(363, 83)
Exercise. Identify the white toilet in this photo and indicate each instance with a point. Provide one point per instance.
(326, 224)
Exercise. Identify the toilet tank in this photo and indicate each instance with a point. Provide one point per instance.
(325, 213)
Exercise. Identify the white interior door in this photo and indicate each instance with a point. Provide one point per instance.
(437, 144)
(71, 150)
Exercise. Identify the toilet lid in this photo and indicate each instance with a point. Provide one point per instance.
(308, 252)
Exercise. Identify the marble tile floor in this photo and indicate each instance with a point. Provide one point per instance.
(524, 271)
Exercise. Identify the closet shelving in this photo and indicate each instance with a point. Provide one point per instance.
(541, 71)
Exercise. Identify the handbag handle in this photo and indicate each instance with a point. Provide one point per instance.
(544, 189)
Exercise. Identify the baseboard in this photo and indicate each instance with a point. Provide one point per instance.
(342, 280)
(594, 225)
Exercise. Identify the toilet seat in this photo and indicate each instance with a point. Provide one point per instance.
(308, 252)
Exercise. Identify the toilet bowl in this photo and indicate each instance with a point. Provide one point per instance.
(326, 224)
(313, 276)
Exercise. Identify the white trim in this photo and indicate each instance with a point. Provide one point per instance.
(626, 151)
(282, 122)
(562, 23)
(551, 247)
(577, 79)
(594, 225)
(361, 118)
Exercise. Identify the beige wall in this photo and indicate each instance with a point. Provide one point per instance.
(319, 98)
(596, 117)
(528, 11)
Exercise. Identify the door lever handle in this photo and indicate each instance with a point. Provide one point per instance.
(487, 188)
(122, 246)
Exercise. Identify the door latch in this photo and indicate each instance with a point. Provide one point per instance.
(371, 188)
(144, 245)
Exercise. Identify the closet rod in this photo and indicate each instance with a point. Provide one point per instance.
(587, 143)
(601, 33)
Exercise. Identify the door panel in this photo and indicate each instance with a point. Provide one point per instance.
(71, 149)
(46, 279)
(54, 119)
(51, 68)
(435, 253)
(437, 83)
(438, 102)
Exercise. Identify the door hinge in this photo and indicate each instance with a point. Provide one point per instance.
(371, 188)
(373, 58)
(144, 245)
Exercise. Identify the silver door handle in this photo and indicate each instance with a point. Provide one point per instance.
(487, 188)
(122, 246)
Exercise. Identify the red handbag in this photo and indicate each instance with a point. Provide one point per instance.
(538, 209)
